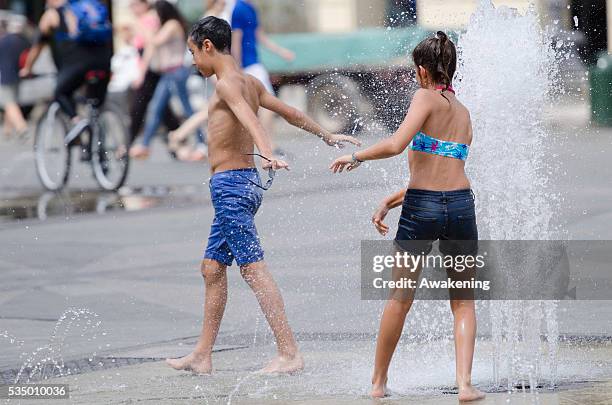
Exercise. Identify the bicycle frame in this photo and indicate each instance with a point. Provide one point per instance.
(82, 126)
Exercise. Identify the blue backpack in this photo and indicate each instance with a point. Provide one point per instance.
(93, 23)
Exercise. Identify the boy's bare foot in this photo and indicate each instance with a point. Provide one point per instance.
(196, 363)
(284, 365)
(469, 393)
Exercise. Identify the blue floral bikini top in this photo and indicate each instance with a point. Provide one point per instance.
(425, 143)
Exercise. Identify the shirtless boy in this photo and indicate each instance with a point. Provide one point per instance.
(236, 192)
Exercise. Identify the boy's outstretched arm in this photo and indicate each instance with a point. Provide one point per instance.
(300, 120)
(418, 112)
(230, 93)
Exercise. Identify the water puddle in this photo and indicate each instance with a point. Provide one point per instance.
(71, 203)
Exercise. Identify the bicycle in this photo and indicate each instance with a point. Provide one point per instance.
(106, 147)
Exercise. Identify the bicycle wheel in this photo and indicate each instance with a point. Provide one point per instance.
(109, 150)
(51, 154)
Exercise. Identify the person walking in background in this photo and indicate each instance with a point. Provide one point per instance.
(246, 35)
(168, 47)
(176, 139)
(125, 62)
(12, 46)
(147, 24)
(80, 37)
(219, 8)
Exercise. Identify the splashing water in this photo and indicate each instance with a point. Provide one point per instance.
(506, 73)
(6, 336)
(48, 361)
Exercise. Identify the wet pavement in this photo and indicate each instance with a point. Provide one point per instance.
(335, 374)
(132, 258)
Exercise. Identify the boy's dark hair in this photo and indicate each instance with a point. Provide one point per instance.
(439, 56)
(216, 30)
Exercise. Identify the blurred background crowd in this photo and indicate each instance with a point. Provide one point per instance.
(333, 58)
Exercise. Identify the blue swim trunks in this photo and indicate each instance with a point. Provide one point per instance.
(236, 200)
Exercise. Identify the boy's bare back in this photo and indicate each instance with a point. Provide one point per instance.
(229, 141)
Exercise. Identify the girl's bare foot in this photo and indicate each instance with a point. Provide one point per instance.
(379, 390)
(469, 393)
(194, 362)
(284, 365)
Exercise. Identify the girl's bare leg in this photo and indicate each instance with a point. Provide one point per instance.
(391, 326)
(270, 300)
(215, 279)
(464, 329)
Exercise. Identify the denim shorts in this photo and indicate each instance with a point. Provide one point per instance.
(233, 234)
(448, 216)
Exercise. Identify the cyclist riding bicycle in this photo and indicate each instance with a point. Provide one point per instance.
(80, 36)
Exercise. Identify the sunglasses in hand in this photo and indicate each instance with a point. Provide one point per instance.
(271, 173)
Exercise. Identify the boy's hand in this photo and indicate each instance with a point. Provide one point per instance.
(339, 140)
(342, 162)
(378, 218)
(275, 164)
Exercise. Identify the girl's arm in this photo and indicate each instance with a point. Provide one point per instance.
(419, 111)
(165, 34)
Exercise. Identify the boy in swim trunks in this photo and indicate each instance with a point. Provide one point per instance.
(236, 191)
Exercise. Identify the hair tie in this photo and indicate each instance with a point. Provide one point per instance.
(440, 35)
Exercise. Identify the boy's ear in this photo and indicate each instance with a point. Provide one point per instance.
(207, 45)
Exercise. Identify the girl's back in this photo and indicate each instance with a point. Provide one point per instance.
(449, 121)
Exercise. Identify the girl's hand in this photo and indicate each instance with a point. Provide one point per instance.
(339, 140)
(378, 218)
(342, 162)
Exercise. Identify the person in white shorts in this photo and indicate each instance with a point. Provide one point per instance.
(246, 35)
